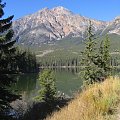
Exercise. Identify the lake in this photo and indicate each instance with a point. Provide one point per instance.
(68, 81)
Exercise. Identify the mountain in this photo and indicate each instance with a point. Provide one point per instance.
(50, 25)
(57, 34)
(113, 27)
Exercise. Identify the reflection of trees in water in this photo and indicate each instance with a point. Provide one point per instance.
(72, 70)
(26, 83)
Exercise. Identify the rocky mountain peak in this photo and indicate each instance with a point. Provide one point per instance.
(49, 25)
(43, 10)
(61, 10)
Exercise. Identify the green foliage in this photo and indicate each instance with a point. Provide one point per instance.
(96, 62)
(60, 58)
(47, 92)
(88, 57)
(22, 61)
(103, 60)
(7, 54)
(25, 61)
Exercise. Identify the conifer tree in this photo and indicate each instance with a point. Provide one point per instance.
(103, 60)
(6, 56)
(47, 93)
(96, 62)
(88, 56)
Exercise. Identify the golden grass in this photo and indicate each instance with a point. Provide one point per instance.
(97, 102)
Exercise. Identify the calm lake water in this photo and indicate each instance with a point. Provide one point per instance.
(68, 81)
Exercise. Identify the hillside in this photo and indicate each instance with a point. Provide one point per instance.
(70, 48)
(97, 102)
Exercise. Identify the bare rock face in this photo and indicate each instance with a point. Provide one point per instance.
(49, 25)
(114, 26)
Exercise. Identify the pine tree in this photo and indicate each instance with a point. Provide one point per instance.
(6, 57)
(103, 60)
(96, 62)
(47, 92)
(88, 57)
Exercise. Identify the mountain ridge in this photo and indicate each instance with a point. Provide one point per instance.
(49, 25)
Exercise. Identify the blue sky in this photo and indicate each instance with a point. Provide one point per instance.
(98, 9)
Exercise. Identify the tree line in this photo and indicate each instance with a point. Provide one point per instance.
(73, 61)
(25, 62)
(60, 62)
(22, 61)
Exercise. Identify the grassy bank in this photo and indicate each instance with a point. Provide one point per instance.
(97, 102)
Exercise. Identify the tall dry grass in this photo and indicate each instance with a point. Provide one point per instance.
(97, 102)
